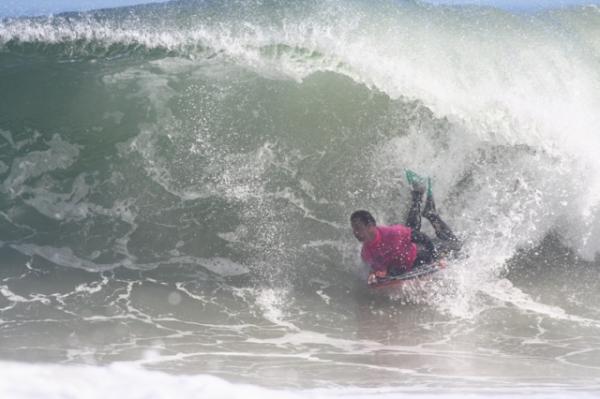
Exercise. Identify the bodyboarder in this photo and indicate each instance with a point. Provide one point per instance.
(395, 249)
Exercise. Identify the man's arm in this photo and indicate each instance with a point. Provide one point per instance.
(377, 270)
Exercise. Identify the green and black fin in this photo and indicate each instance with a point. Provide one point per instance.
(417, 182)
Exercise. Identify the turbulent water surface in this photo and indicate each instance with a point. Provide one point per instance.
(176, 181)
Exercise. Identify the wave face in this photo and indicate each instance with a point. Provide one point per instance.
(176, 181)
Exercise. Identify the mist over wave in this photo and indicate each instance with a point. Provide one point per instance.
(182, 174)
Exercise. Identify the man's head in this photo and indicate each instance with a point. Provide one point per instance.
(363, 225)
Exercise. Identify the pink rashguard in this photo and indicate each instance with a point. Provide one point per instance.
(391, 247)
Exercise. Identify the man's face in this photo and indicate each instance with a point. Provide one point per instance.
(363, 232)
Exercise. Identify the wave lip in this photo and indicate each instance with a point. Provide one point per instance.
(532, 84)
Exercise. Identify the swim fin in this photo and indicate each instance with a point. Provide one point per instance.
(417, 182)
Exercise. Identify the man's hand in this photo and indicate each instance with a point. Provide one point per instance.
(375, 276)
(372, 279)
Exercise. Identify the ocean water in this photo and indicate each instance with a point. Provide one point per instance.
(176, 181)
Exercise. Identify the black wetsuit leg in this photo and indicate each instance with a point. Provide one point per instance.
(426, 252)
(448, 240)
(413, 219)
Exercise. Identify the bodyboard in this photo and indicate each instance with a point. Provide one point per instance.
(410, 275)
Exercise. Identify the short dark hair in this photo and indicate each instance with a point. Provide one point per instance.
(364, 216)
